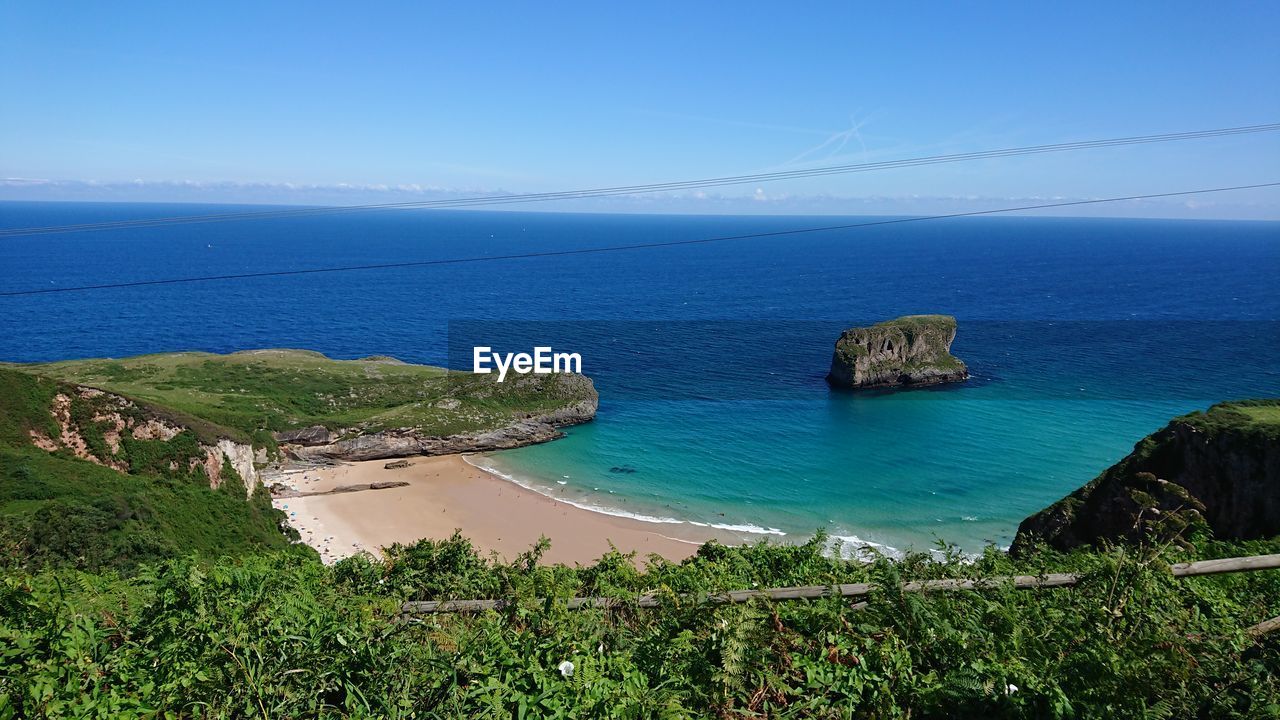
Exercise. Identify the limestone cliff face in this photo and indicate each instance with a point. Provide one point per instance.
(242, 457)
(96, 426)
(910, 351)
(319, 443)
(1220, 469)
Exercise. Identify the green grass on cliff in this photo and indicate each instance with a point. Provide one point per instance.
(922, 322)
(1264, 415)
(1123, 499)
(930, 325)
(256, 390)
(57, 509)
(1261, 412)
(1259, 416)
(24, 406)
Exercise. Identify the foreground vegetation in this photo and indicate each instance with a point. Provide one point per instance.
(279, 635)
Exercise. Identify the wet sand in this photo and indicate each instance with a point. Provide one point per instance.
(446, 494)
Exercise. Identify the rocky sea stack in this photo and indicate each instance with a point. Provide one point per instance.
(1218, 469)
(911, 351)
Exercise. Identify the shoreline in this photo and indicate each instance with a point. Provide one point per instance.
(851, 545)
(743, 531)
(450, 492)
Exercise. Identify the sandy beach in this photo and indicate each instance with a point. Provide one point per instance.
(447, 493)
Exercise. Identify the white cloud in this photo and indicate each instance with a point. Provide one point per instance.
(754, 201)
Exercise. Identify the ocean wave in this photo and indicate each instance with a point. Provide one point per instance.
(603, 510)
(748, 528)
(854, 547)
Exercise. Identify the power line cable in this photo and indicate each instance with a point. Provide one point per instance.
(649, 188)
(618, 248)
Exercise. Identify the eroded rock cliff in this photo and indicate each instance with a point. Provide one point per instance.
(116, 432)
(1220, 469)
(319, 443)
(910, 351)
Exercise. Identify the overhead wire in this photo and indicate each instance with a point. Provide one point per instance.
(620, 248)
(506, 199)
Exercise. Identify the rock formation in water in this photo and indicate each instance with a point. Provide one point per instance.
(1219, 469)
(910, 351)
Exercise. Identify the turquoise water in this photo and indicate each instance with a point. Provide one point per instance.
(891, 470)
(1082, 335)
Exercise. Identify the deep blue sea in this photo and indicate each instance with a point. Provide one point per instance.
(1083, 335)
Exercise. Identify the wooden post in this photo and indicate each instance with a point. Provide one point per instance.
(1265, 627)
(810, 592)
(1226, 565)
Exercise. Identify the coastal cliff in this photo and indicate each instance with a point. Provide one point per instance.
(320, 443)
(310, 407)
(911, 351)
(1218, 469)
(94, 479)
(115, 432)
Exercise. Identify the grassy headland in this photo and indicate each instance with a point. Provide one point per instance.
(243, 394)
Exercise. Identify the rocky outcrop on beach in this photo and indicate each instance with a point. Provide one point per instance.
(1218, 470)
(280, 490)
(313, 435)
(319, 443)
(911, 351)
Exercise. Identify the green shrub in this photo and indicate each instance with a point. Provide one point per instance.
(57, 510)
(281, 635)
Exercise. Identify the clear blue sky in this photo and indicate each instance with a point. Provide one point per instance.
(241, 99)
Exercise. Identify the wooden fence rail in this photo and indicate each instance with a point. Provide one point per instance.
(1265, 627)
(1021, 582)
